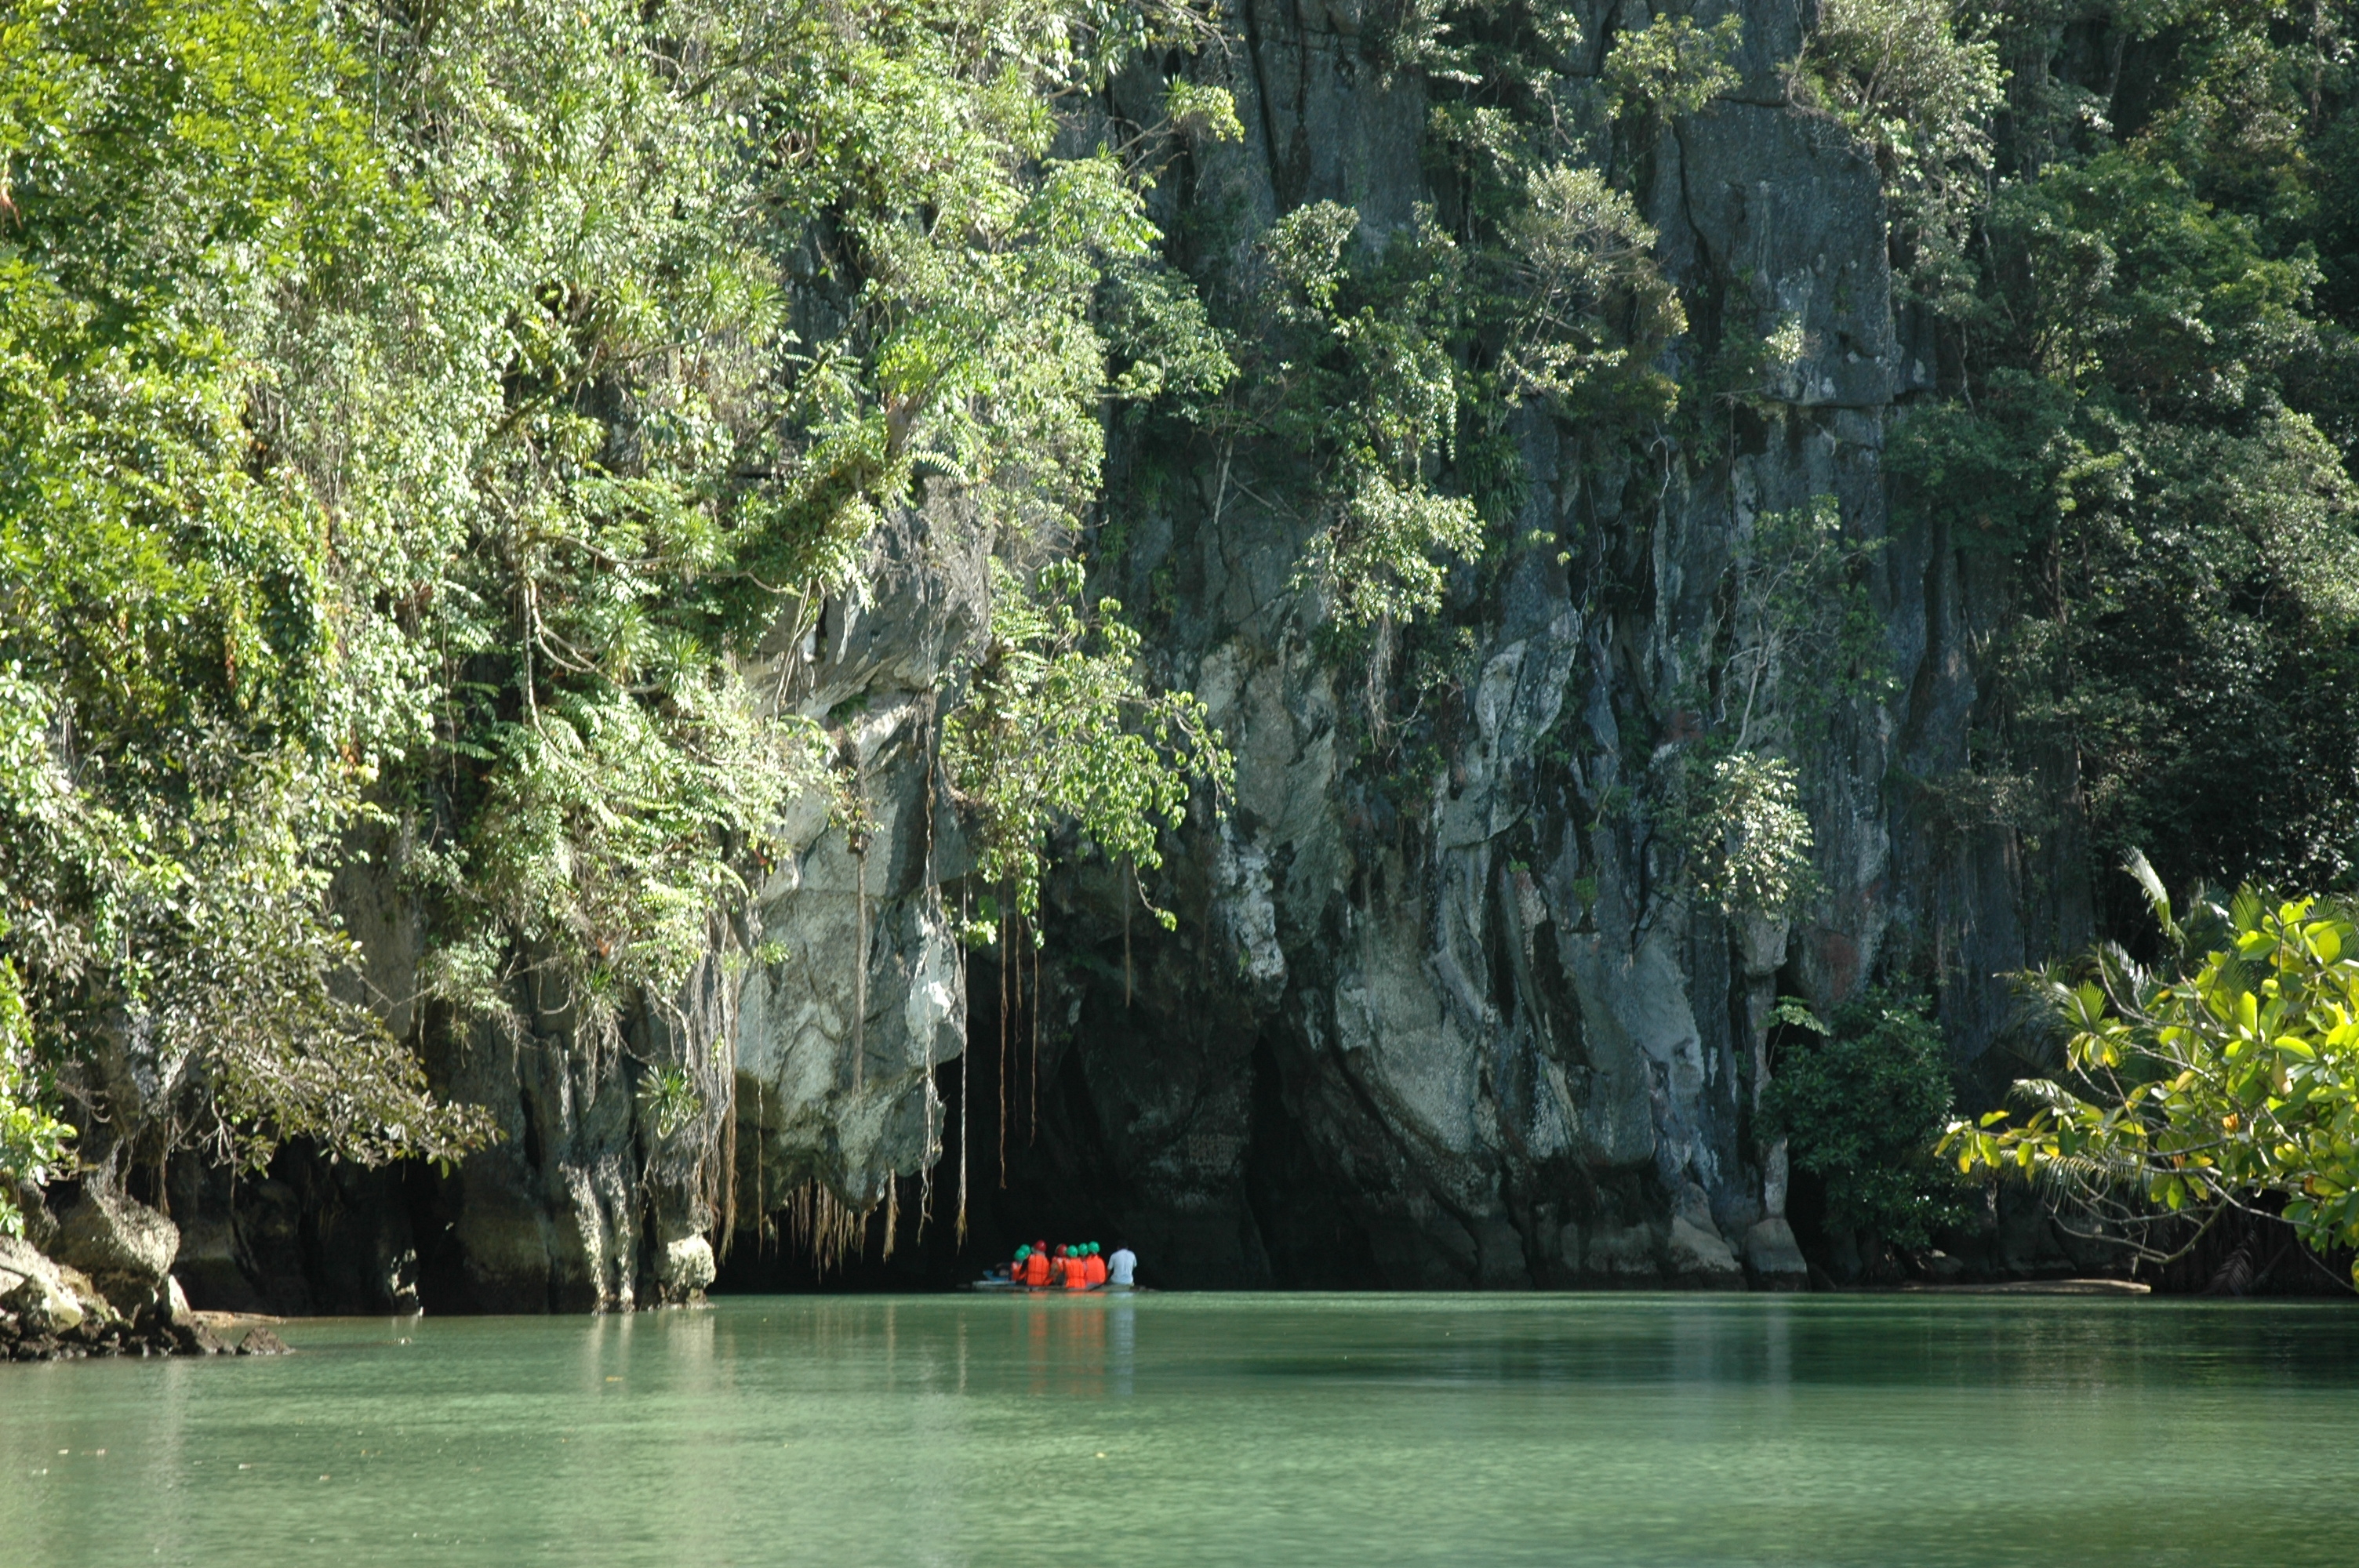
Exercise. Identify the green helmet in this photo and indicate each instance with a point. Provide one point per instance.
(1094, 1249)
(1022, 1253)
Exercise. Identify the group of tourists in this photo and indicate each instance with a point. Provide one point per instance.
(1074, 1266)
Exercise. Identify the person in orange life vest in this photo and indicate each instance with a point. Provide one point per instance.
(1094, 1266)
(1077, 1268)
(1016, 1270)
(1036, 1268)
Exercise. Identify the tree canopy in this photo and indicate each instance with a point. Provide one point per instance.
(2226, 1078)
(412, 416)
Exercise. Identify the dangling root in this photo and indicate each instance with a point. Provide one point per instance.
(1033, 1136)
(817, 1220)
(1006, 930)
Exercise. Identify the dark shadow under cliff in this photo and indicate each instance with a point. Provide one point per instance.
(1044, 1167)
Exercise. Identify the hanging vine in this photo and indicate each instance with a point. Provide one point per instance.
(1059, 726)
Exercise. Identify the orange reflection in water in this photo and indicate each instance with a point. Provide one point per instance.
(1065, 1344)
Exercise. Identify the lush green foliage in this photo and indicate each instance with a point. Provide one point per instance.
(1860, 1100)
(1581, 307)
(176, 739)
(2151, 419)
(2228, 1076)
(1749, 843)
(410, 416)
(413, 418)
(1901, 77)
(1381, 373)
(1670, 66)
(1059, 728)
(1802, 642)
(1391, 369)
(1368, 385)
(1363, 366)
(32, 1141)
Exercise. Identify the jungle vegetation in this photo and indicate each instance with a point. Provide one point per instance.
(2224, 1079)
(2147, 324)
(415, 413)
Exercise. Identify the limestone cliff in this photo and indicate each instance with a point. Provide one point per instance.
(1436, 1027)
(1465, 1028)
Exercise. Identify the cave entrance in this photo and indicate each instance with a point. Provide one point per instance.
(1039, 1169)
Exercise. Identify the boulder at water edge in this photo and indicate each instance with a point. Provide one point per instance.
(32, 1291)
(1776, 1260)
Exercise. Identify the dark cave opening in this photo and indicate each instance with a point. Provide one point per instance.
(1039, 1171)
(1044, 1166)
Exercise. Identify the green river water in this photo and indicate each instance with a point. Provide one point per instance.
(1266, 1429)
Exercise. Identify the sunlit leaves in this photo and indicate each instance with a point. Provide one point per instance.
(1671, 67)
(1749, 840)
(1918, 85)
(1371, 390)
(178, 751)
(1060, 730)
(2232, 1075)
(1589, 308)
(32, 1140)
(409, 416)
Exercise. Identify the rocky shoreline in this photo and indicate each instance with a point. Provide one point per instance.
(98, 1283)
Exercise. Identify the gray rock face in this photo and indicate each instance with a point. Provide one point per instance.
(1441, 1026)
(1699, 1257)
(125, 1247)
(1774, 1258)
(33, 1292)
(1470, 1020)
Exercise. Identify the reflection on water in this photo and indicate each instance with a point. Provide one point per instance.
(1192, 1429)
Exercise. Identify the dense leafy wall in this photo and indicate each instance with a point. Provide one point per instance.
(414, 413)
(424, 423)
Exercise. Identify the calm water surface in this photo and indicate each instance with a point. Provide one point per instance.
(1168, 1429)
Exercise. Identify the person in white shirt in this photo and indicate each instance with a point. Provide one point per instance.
(1122, 1266)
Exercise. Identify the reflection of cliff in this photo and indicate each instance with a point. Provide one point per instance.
(1437, 1029)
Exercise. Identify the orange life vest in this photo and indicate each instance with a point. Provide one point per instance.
(1077, 1273)
(1036, 1270)
(1094, 1269)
